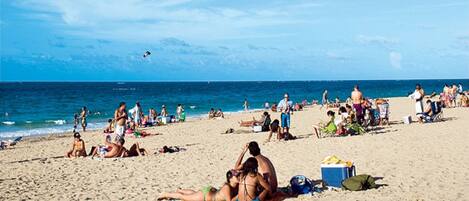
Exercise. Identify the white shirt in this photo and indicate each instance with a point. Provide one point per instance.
(285, 107)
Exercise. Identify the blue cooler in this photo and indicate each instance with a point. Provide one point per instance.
(334, 174)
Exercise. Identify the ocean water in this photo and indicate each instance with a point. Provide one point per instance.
(36, 108)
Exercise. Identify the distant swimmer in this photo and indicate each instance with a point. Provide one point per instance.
(146, 54)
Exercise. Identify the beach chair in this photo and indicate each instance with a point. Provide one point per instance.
(383, 113)
(437, 113)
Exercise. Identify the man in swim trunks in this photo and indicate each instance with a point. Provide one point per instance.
(357, 100)
(120, 117)
(266, 168)
(285, 107)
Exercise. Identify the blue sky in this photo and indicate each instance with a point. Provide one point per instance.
(104, 40)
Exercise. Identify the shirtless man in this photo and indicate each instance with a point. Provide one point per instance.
(110, 150)
(357, 99)
(266, 168)
(120, 117)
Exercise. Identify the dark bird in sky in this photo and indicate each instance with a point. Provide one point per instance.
(146, 54)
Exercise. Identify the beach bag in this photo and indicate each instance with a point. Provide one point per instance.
(359, 182)
(301, 185)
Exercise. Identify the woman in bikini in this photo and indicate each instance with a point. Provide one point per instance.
(226, 193)
(78, 147)
(250, 181)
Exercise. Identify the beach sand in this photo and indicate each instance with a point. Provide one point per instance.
(416, 161)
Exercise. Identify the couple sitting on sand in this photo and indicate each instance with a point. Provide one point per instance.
(109, 150)
(254, 180)
(216, 114)
(117, 149)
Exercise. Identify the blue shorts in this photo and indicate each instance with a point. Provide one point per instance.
(285, 120)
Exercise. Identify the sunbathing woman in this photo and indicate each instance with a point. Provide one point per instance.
(78, 147)
(254, 122)
(250, 181)
(226, 192)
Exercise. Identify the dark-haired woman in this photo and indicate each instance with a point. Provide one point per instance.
(329, 128)
(250, 181)
(226, 193)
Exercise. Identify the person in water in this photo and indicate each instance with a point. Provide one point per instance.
(250, 181)
(78, 147)
(266, 168)
(226, 193)
(83, 114)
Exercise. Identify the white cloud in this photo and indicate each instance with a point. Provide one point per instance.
(152, 20)
(395, 59)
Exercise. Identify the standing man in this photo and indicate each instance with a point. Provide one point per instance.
(285, 107)
(246, 105)
(357, 100)
(418, 97)
(83, 114)
(324, 99)
(120, 117)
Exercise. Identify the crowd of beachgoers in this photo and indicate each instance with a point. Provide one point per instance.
(255, 178)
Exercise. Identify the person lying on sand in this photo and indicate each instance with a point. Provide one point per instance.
(250, 181)
(134, 150)
(78, 147)
(227, 192)
(266, 168)
(265, 117)
(109, 150)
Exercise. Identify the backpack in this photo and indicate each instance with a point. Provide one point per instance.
(301, 185)
(359, 182)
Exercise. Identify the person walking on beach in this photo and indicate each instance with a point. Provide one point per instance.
(246, 105)
(83, 114)
(285, 107)
(418, 97)
(179, 111)
(357, 100)
(120, 117)
(324, 99)
(137, 114)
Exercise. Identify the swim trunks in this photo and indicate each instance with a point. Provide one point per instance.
(120, 130)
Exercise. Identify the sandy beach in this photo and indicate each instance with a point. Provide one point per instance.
(416, 161)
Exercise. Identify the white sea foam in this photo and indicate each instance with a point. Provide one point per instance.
(58, 122)
(8, 122)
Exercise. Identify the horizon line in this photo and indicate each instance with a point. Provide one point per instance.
(155, 81)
